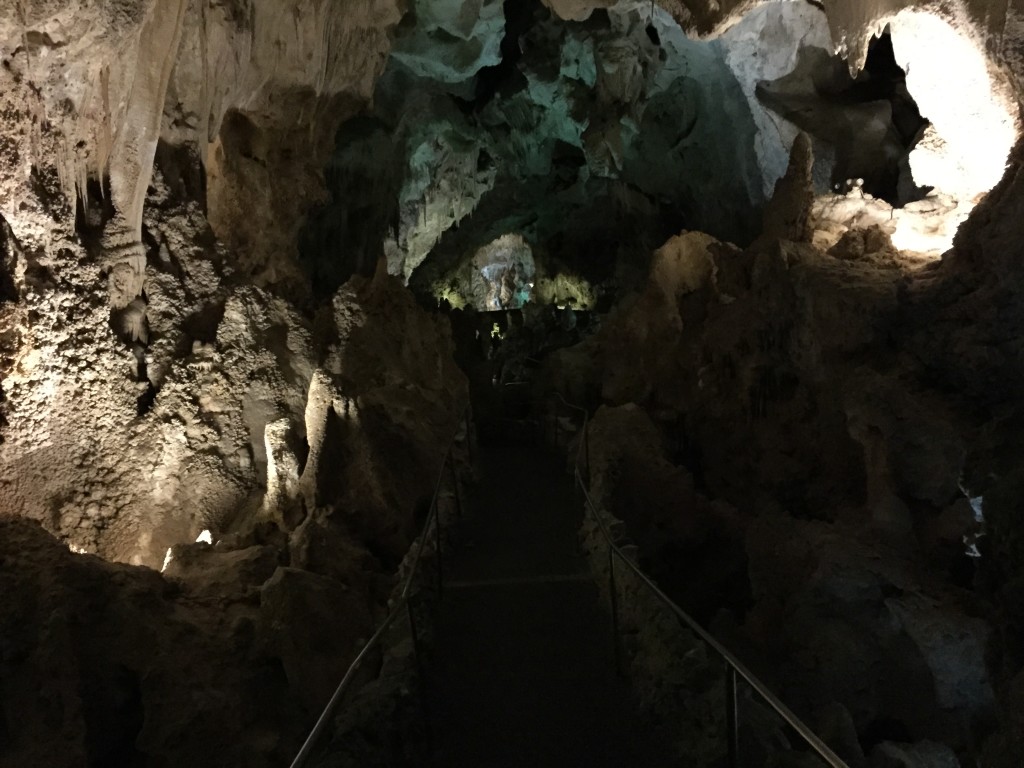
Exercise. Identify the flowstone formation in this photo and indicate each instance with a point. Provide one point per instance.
(93, 98)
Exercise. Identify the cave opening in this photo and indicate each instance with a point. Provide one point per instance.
(898, 143)
(870, 122)
(520, 16)
(882, 79)
(503, 274)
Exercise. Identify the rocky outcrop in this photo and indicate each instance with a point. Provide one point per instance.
(138, 666)
(847, 619)
(785, 384)
(689, 544)
(388, 388)
(112, 664)
(667, 664)
(186, 421)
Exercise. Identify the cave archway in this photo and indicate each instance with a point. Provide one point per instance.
(920, 134)
(503, 274)
(973, 123)
(869, 123)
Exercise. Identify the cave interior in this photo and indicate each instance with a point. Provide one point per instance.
(315, 314)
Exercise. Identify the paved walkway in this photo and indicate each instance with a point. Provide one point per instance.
(522, 674)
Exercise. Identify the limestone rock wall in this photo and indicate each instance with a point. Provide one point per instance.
(85, 114)
(310, 449)
(262, 87)
(820, 396)
(183, 447)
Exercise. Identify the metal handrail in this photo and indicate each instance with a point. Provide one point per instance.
(734, 665)
(431, 525)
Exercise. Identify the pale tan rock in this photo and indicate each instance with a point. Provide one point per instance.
(787, 216)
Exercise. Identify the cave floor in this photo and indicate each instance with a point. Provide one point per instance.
(522, 673)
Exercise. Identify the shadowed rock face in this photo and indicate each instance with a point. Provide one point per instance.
(819, 96)
(801, 415)
(109, 664)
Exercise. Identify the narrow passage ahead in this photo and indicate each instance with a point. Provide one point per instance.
(522, 673)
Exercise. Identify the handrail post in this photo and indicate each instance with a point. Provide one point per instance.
(424, 708)
(438, 553)
(731, 716)
(735, 669)
(455, 485)
(586, 446)
(615, 610)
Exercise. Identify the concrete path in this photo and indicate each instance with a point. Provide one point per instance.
(522, 674)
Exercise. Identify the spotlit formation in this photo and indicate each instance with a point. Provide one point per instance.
(961, 154)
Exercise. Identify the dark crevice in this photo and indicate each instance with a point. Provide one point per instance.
(884, 729)
(114, 715)
(599, 20)
(345, 236)
(330, 484)
(872, 121)
(144, 402)
(300, 444)
(39, 276)
(93, 210)
(8, 290)
(3, 424)
(963, 571)
(201, 326)
(182, 169)
(520, 16)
